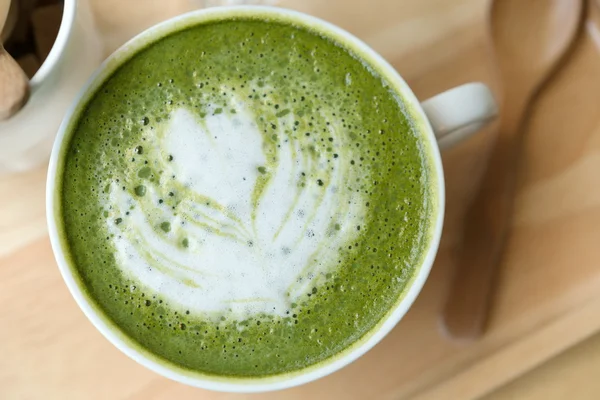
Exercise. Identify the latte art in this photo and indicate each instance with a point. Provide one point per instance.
(233, 220)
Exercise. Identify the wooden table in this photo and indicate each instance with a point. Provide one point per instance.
(548, 294)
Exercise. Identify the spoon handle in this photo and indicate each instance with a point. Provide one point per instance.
(485, 230)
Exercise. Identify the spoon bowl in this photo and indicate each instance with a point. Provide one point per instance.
(14, 84)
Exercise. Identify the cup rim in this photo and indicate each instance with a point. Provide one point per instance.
(58, 47)
(253, 384)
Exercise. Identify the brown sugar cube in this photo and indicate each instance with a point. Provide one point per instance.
(29, 63)
(46, 23)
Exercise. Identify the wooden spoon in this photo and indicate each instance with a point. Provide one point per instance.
(14, 84)
(529, 38)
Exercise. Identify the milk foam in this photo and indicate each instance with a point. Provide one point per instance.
(258, 233)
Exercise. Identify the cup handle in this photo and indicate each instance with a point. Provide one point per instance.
(458, 113)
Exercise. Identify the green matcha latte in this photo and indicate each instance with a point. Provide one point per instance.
(245, 198)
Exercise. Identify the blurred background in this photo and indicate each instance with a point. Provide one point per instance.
(542, 336)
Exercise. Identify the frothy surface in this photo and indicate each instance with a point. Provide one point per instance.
(253, 225)
(245, 198)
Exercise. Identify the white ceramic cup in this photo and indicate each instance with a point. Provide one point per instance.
(444, 120)
(26, 138)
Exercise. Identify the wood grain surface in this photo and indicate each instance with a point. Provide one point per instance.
(548, 294)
